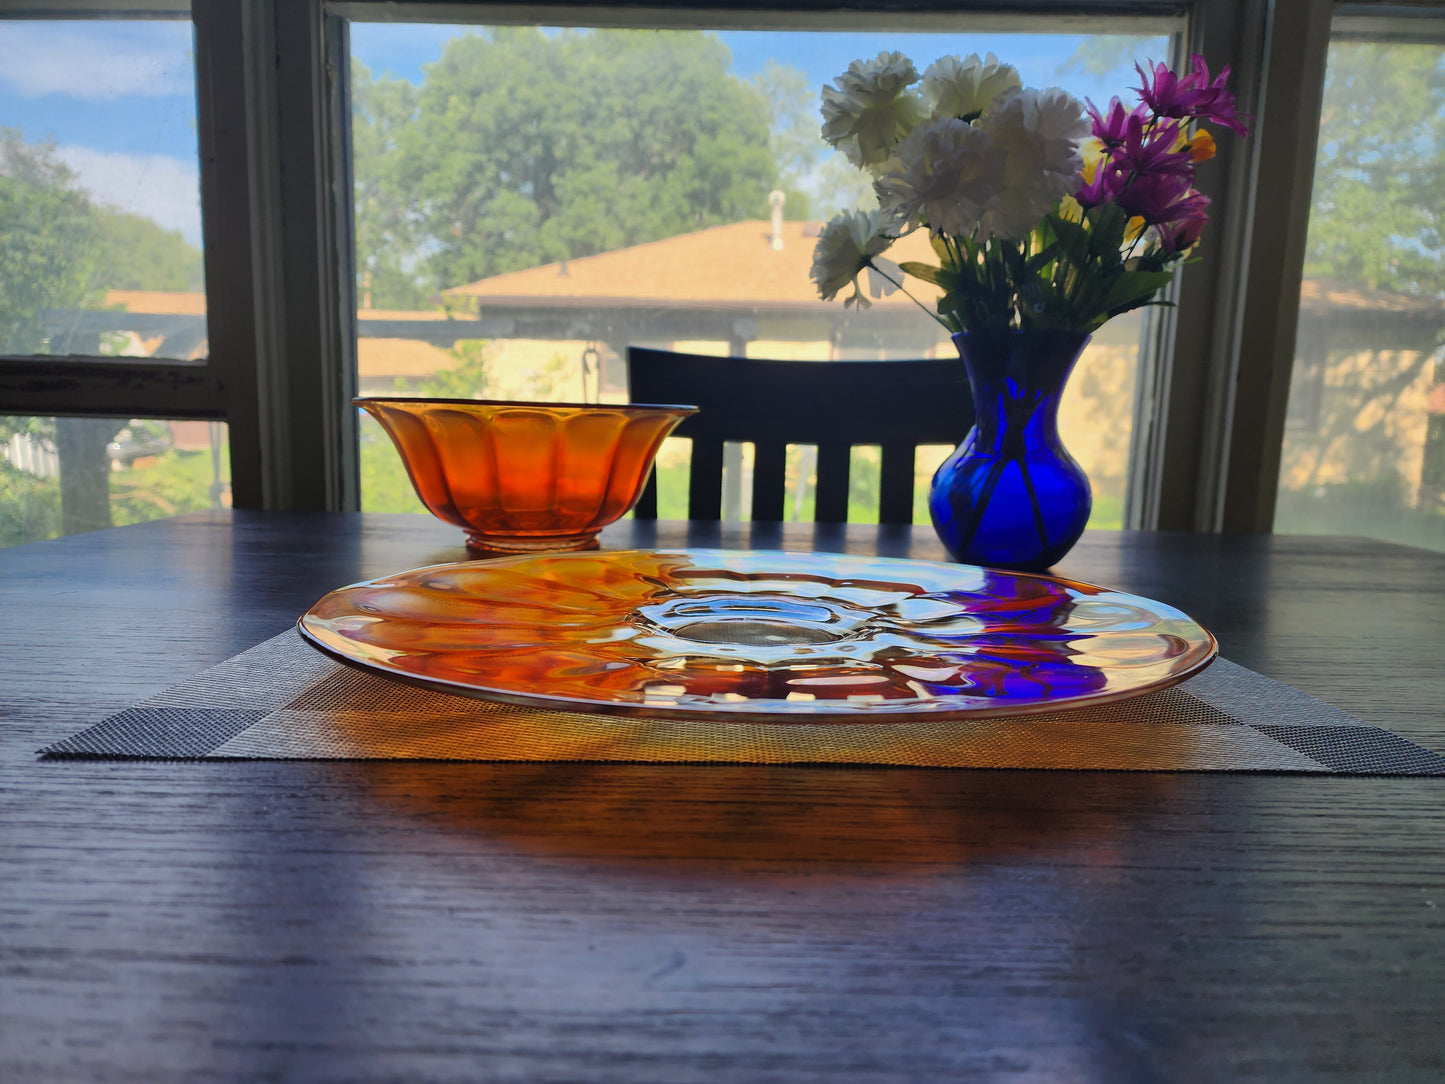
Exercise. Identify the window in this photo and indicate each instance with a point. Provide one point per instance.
(100, 239)
(1364, 446)
(100, 256)
(66, 475)
(275, 350)
(530, 201)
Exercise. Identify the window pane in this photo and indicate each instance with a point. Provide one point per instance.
(532, 201)
(100, 220)
(65, 475)
(1364, 448)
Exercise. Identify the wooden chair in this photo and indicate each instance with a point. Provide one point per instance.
(834, 405)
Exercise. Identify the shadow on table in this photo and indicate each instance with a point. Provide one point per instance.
(777, 821)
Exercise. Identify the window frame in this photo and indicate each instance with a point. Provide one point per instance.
(276, 211)
(89, 385)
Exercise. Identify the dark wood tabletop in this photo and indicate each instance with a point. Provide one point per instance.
(413, 921)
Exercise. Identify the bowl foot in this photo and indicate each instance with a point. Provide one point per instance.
(491, 545)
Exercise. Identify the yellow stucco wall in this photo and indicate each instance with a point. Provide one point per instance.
(1371, 420)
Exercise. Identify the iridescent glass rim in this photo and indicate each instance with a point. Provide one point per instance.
(871, 639)
(411, 400)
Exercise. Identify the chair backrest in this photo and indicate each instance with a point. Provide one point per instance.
(833, 405)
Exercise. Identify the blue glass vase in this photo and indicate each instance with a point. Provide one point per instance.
(1011, 496)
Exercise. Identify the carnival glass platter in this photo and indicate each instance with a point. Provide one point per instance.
(759, 636)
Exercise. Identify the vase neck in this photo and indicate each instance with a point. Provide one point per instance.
(1018, 378)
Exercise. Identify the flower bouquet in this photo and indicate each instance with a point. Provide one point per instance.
(1047, 218)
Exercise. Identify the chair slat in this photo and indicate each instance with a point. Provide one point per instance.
(894, 404)
(832, 503)
(895, 484)
(770, 470)
(704, 480)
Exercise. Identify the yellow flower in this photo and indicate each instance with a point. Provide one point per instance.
(1201, 146)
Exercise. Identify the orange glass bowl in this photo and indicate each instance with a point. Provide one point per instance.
(526, 477)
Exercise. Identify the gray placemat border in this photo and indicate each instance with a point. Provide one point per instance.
(182, 723)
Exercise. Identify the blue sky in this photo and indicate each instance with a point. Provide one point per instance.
(118, 98)
(402, 50)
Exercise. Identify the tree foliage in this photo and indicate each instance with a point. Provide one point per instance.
(523, 147)
(793, 136)
(63, 251)
(387, 226)
(466, 378)
(1101, 54)
(135, 253)
(49, 258)
(1377, 219)
(1378, 214)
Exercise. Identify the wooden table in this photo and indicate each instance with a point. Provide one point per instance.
(169, 921)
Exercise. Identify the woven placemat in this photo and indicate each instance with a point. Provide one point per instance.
(285, 700)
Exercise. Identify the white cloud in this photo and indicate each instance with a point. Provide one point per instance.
(162, 188)
(81, 62)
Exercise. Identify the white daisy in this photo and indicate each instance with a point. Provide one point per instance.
(944, 175)
(1036, 135)
(965, 88)
(869, 108)
(846, 246)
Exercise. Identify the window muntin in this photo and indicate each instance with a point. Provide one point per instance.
(100, 225)
(1364, 443)
(520, 300)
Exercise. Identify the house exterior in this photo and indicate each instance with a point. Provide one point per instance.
(1367, 398)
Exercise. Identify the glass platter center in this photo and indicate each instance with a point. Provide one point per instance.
(759, 636)
(754, 620)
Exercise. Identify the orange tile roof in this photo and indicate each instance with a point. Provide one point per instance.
(376, 358)
(1331, 293)
(193, 303)
(410, 314)
(718, 267)
(158, 302)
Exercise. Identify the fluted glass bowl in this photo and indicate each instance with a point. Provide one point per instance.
(526, 477)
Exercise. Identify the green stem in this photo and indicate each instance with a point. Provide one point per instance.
(978, 507)
(1034, 502)
(910, 297)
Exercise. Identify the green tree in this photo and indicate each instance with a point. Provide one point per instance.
(1379, 189)
(385, 486)
(1377, 219)
(1100, 54)
(29, 504)
(523, 147)
(466, 379)
(134, 253)
(49, 258)
(48, 261)
(62, 251)
(793, 137)
(387, 228)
